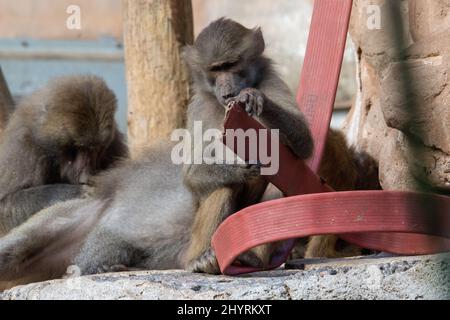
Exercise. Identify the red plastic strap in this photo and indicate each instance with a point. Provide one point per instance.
(338, 212)
(360, 217)
(322, 67)
(294, 177)
(316, 96)
(397, 222)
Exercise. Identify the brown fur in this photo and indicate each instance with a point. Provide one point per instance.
(343, 169)
(55, 140)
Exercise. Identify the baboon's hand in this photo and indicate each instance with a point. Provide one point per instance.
(72, 271)
(250, 171)
(206, 263)
(253, 100)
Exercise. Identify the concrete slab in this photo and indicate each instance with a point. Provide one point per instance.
(412, 278)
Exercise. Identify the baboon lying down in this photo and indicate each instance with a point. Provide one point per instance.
(139, 216)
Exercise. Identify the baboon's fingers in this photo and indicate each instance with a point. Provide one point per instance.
(206, 263)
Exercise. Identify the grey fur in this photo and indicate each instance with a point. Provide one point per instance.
(279, 111)
(139, 217)
(35, 167)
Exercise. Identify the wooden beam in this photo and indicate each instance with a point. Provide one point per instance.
(158, 83)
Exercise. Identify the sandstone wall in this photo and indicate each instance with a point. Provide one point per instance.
(401, 115)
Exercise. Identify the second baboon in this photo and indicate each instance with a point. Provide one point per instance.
(55, 140)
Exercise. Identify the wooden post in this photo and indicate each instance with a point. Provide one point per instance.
(6, 102)
(158, 83)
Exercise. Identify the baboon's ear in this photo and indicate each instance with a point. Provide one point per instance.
(258, 42)
(190, 55)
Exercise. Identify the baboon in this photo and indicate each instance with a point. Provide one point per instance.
(55, 140)
(227, 64)
(139, 216)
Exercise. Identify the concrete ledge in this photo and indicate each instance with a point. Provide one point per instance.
(424, 277)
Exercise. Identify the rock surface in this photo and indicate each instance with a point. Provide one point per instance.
(404, 97)
(425, 277)
(428, 17)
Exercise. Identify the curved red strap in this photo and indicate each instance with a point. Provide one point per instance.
(397, 222)
(399, 213)
(379, 220)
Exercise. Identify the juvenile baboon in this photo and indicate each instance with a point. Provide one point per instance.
(139, 216)
(55, 140)
(227, 64)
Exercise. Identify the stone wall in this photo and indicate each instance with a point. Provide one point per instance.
(401, 115)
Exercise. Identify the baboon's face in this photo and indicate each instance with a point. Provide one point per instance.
(77, 127)
(227, 79)
(80, 148)
(78, 164)
(225, 59)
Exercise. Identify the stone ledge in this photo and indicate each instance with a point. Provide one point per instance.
(424, 277)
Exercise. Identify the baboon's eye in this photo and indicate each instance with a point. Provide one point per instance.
(223, 66)
(242, 73)
(71, 152)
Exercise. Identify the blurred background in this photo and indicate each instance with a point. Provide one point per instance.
(35, 43)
